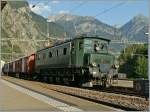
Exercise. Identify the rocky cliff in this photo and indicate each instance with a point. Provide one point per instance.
(19, 22)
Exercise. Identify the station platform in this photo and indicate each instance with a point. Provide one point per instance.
(11, 100)
(14, 98)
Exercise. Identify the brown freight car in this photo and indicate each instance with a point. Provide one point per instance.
(16, 66)
(26, 66)
(31, 64)
(11, 68)
(21, 68)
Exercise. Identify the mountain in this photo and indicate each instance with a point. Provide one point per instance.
(136, 28)
(74, 24)
(19, 22)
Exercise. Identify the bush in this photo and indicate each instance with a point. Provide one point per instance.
(134, 62)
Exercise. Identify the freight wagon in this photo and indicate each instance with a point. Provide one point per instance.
(21, 68)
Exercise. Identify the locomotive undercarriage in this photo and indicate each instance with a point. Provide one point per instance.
(73, 77)
(68, 76)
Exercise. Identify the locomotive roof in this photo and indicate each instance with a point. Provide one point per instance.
(80, 37)
(95, 37)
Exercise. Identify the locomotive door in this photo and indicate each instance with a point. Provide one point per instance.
(73, 54)
(77, 53)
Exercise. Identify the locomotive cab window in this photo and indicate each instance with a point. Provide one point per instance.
(50, 54)
(80, 45)
(96, 46)
(103, 46)
(65, 51)
(57, 53)
(87, 45)
(72, 46)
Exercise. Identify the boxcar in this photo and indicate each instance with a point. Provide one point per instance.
(16, 66)
(10, 68)
(5, 68)
(24, 65)
(13, 63)
(21, 68)
(30, 64)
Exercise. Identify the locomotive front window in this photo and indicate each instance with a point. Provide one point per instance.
(103, 46)
(95, 46)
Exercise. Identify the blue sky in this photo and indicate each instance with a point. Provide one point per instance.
(110, 12)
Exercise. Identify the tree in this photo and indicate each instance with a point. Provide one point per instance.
(134, 62)
(141, 67)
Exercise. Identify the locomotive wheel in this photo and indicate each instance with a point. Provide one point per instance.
(61, 80)
(72, 83)
(54, 80)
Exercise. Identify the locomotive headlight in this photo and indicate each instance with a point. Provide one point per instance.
(116, 66)
(93, 64)
(94, 72)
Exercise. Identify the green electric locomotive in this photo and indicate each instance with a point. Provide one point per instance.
(82, 61)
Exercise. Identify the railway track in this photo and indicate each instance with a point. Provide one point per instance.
(123, 89)
(125, 102)
(117, 90)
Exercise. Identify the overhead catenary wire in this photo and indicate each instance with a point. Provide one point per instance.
(75, 8)
(113, 7)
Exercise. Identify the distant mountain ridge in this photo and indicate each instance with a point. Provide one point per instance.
(74, 24)
(136, 28)
(132, 30)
